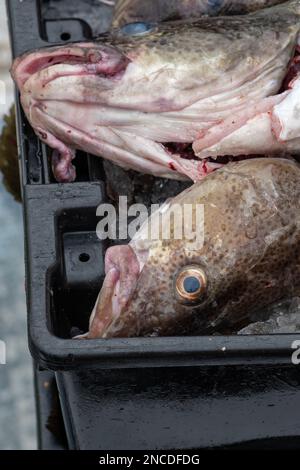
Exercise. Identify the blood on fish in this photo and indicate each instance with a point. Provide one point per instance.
(293, 71)
(185, 150)
(43, 135)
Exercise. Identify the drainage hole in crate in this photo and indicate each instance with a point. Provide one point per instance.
(65, 36)
(84, 257)
(35, 178)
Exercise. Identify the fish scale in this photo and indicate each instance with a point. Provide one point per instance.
(127, 11)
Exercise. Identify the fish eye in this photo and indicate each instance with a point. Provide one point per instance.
(137, 29)
(191, 285)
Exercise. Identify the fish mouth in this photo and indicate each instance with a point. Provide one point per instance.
(85, 58)
(122, 269)
(104, 66)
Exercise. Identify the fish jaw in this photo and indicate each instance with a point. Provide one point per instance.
(122, 269)
(131, 300)
(103, 67)
(35, 72)
(86, 58)
(123, 307)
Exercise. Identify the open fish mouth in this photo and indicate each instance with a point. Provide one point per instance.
(35, 73)
(154, 105)
(88, 59)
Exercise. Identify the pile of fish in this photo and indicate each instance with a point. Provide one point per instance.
(205, 98)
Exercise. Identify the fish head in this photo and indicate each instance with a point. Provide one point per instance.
(141, 95)
(241, 253)
(159, 67)
(142, 66)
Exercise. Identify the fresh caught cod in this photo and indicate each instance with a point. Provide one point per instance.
(248, 257)
(129, 11)
(168, 99)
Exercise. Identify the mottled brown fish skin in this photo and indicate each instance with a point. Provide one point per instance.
(185, 42)
(128, 11)
(251, 254)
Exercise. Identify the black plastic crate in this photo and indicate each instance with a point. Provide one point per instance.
(60, 223)
(143, 393)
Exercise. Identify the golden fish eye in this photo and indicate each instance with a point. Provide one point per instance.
(191, 284)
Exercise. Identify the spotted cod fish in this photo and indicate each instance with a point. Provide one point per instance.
(170, 99)
(247, 258)
(129, 11)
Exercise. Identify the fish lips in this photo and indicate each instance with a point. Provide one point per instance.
(79, 59)
(123, 270)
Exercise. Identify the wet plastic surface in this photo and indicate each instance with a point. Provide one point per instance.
(51, 429)
(151, 373)
(188, 408)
